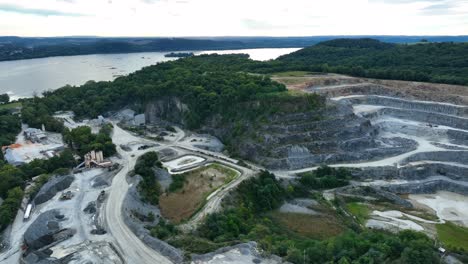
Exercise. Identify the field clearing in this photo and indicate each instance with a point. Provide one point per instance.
(453, 236)
(181, 204)
(359, 210)
(10, 105)
(313, 226)
(292, 74)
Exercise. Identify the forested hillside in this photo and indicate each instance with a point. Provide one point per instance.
(208, 85)
(429, 62)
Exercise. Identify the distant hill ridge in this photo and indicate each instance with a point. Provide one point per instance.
(445, 62)
(14, 48)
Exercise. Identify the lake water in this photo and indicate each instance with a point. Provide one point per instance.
(24, 78)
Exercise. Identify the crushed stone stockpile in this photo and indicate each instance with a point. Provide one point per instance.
(52, 187)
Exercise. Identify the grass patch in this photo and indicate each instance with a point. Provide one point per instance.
(177, 183)
(312, 226)
(359, 210)
(453, 236)
(230, 173)
(291, 74)
(10, 105)
(191, 191)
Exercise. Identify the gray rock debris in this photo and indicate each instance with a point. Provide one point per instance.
(133, 205)
(90, 208)
(243, 253)
(45, 230)
(52, 187)
(163, 177)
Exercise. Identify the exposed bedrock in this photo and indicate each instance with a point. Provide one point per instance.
(412, 172)
(417, 91)
(356, 150)
(458, 156)
(441, 108)
(167, 108)
(429, 187)
(422, 116)
(52, 187)
(458, 137)
(339, 136)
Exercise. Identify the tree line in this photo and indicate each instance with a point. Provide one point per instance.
(444, 62)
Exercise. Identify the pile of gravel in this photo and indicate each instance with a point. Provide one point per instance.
(41, 232)
(52, 187)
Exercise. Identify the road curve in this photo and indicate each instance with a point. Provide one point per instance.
(133, 250)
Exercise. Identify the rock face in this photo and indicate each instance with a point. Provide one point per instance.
(168, 109)
(414, 172)
(52, 187)
(332, 135)
(447, 109)
(429, 187)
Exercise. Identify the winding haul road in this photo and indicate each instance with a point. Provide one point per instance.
(131, 248)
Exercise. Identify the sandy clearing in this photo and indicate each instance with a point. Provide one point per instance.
(447, 205)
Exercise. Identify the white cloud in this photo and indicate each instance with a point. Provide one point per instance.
(232, 17)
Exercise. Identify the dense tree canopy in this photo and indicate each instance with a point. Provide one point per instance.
(10, 126)
(429, 62)
(149, 188)
(207, 84)
(325, 178)
(4, 98)
(82, 140)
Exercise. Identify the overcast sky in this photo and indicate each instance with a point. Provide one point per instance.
(232, 17)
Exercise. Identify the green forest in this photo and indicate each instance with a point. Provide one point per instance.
(427, 62)
(208, 84)
(149, 188)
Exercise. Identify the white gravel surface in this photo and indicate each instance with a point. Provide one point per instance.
(447, 205)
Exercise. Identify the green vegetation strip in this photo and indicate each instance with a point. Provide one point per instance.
(359, 210)
(453, 236)
(10, 106)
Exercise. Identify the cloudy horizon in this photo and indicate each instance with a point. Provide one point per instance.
(192, 18)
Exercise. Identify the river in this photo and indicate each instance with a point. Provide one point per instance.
(25, 78)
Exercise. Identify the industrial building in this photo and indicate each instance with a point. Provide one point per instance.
(35, 135)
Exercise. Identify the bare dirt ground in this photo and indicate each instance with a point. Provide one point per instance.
(183, 203)
(335, 85)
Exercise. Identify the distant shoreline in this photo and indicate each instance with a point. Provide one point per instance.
(19, 48)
